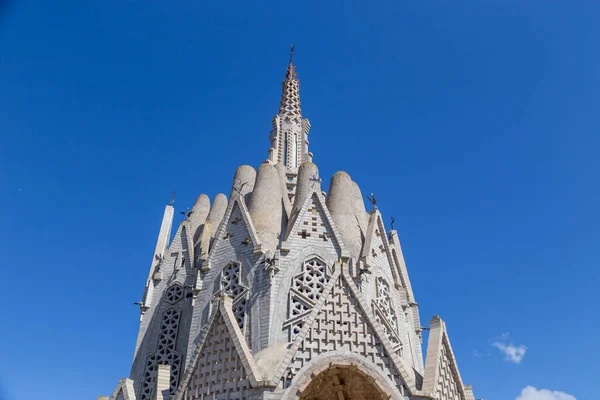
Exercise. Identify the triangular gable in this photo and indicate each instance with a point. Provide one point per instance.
(314, 224)
(170, 263)
(376, 251)
(400, 265)
(181, 244)
(181, 249)
(124, 390)
(340, 321)
(178, 247)
(221, 360)
(442, 379)
(408, 379)
(176, 242)
(413, 310)
(237, 226)
(188, 243)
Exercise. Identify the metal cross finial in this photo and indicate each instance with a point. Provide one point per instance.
(291, 54)
(373, 201)
(239, 187)
(172, 198)
(393, 220)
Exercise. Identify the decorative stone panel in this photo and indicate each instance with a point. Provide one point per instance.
(342, 326)
(165, 354)
(306, 289)
(219, 372)
(231, 284)
(174, 293)
(386, 314)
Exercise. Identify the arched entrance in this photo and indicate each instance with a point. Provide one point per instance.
(317, 379)
(342, 383)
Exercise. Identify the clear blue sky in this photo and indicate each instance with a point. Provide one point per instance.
(475, 123)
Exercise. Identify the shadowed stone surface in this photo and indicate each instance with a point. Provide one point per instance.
(341, 384)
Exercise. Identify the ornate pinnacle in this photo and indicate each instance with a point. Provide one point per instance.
(290, 98)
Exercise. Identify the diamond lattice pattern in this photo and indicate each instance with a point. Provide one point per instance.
(290, 100)
(342, 325)
(447, 388)
(219, 373)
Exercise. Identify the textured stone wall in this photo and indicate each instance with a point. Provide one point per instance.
(219, 372)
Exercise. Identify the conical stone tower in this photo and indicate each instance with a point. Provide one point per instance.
(283, 292)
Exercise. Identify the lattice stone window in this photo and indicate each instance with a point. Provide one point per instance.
(231, 284)
(174, 293)
(306, 289)
(239, 311)
(385, 314)
(165, 354)
(383, 298)
(311, 281)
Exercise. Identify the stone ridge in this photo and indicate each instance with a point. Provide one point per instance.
(442, 379)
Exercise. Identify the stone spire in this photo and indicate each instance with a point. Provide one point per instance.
(289, 137)
(290, 97)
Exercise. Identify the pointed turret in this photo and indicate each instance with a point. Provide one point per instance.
(289, 137)
(290, 97)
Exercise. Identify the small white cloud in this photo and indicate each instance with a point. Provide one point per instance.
(531, 393)
(511, 352)
(478, 354)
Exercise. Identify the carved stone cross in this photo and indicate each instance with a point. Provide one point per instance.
(304, 234)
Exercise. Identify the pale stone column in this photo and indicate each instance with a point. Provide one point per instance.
(163, 382)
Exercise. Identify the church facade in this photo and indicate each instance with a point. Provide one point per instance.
(283, 291)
